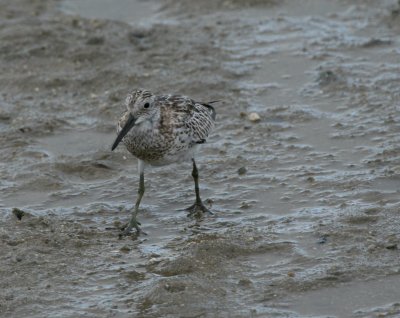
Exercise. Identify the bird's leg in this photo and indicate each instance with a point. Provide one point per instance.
(198, 208)
(133, 223)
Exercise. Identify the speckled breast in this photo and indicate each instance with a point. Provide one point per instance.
(149, 145)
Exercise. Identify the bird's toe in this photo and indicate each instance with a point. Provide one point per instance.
(128, 229)
(197, 210)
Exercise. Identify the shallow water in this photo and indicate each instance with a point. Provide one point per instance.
(134, 12)
(349, 299)
(310, 229)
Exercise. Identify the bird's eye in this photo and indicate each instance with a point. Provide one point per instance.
(147, 105)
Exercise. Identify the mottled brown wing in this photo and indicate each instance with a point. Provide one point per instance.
(196, 118)
(201, 121)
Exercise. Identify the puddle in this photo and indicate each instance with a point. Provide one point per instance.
(348, 299)
(69, 143)
(28, 198)
(285, 74)
(131, 11)
(319, 135)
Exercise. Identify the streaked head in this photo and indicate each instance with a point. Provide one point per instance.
(140, 103)
(141, 107)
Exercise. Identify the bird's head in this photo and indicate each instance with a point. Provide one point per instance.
(141, 107)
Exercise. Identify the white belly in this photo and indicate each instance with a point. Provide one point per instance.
(183, 156)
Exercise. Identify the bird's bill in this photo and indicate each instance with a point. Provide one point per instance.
(128, 125)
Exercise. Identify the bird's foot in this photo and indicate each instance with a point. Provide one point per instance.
(126, 230)
(197, 210)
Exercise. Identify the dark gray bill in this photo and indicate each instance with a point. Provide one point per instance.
(128, 125)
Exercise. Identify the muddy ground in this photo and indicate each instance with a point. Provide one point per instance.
(306, 200)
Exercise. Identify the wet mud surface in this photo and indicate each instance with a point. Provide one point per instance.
(305, 194)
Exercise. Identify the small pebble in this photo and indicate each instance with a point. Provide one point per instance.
(322, 239)
(242, 171)
(125, 249)
(18, 258)
(254, 117)
(96, 40)
(245, 205)
(18, 213)
(134, 275)
(391, 246)
(245, 282)
(310, 179)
